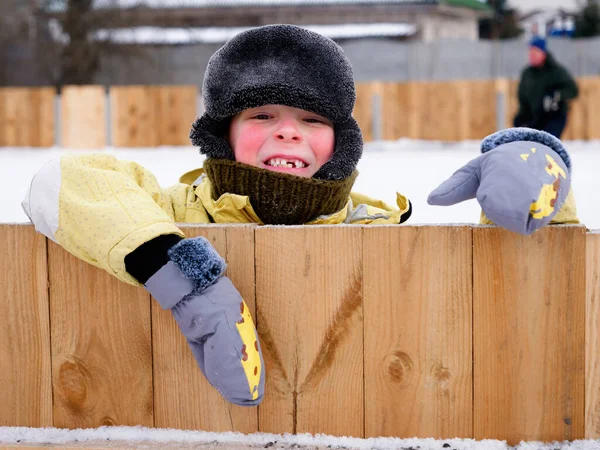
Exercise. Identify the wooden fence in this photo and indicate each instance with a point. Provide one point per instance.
(428, 331)
(148, 116)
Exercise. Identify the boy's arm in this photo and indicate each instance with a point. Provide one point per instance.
(99, 208)
(114, 215)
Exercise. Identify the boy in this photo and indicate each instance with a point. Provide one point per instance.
(281, 147)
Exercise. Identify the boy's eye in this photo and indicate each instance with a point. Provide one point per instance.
(261, 117)
(314, 120)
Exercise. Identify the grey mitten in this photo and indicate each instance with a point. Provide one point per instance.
(521, 181)
(214, 319)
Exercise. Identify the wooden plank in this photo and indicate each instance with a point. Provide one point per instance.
(183, 397)
(25, 374)
(464, 109)
(441, 107)
(414, 127)
(592, 337)
(528, 316)
(417, 314)
(3, 118)
(101, 347)
(481, 101)
(310, 325)
(27, 117)
(577, 118)
(592, 89)
(512, 102)
(422, 93)
(134, 118)
(176, 113)
(83, 117)
(44, 117)
(13, 123)
(445, 102)
(399, 117)
(363, 108)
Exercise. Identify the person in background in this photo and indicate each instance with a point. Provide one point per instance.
(545, 90)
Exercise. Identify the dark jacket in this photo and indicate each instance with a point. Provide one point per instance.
(550, 80)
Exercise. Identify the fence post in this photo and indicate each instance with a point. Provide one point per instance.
(377, 123)
(107, 118)
(57, 120)
(500, 110)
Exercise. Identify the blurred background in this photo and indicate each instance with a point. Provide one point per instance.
(109, 42)
(434, 77)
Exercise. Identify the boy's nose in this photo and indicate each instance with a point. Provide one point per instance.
(288, 133)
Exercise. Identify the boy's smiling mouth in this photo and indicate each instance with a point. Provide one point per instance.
(289, 164)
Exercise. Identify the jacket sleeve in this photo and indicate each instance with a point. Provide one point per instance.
(100, 209)
(524, 115)
(568, 90)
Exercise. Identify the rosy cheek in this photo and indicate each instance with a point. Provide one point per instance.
(248, 140)
(322, 143)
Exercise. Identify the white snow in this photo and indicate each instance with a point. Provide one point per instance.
(54, 436)
(212, 35)
(411, 167)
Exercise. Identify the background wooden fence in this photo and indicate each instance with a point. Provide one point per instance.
(147, 116)
(425, 331)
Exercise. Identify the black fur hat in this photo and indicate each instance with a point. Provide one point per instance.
(284, 65)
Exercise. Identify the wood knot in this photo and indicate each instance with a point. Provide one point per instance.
(72, 382)
(441, 373)
(399, 367)
(107, 421)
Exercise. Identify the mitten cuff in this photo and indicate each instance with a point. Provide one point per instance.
(526, 134)
(198, 261)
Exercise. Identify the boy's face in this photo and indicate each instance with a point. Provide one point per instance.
(282, 139)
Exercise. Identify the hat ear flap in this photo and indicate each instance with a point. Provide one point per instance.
(346, 154)
(210, 135)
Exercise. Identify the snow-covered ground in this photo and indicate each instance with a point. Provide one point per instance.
(411, 167)
(152, 438)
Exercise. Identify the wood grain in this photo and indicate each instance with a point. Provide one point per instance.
(134, 116)
(418, 376)
(25, 373)
(481, 105)
(176, 112)
(399, 115)
(183, 397)
(101, 347)
(592, 338)
(529, 308)
(83, 117)
(363, 108)
(27, 117)
(592, 100)
(310, 325)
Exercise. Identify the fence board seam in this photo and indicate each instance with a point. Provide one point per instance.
(49, 329)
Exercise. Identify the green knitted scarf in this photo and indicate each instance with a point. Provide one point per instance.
(278, 198)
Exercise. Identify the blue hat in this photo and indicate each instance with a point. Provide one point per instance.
(539, 42)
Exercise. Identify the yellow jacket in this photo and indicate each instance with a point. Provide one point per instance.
(100, 208)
